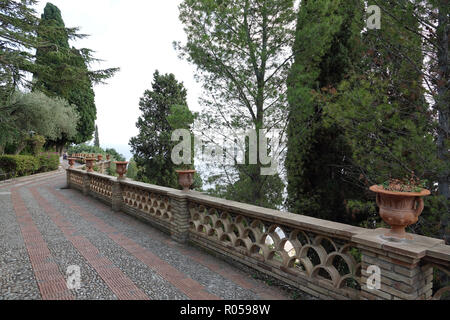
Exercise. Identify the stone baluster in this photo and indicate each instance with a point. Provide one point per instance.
(86, 183)
(117, 199)
(403, 275)
(180, 210)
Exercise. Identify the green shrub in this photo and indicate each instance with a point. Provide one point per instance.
(111, 171)
(84, 148)
(48, 161)
(25, 165)
(115, 155)
(132, 169)
(19, 165)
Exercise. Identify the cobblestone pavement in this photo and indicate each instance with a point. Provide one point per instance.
(46, 229)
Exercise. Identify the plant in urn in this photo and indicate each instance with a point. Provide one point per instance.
(90, 164)
(400, 203)
(121, 168)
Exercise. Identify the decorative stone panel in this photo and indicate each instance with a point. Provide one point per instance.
(149, 205)
(101, 186)
(319, 259)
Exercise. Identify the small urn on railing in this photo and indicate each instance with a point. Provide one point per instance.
(100, 157)
(71, 162)
(90, 164)
(121, 168)
(400, 203)
(185, 178)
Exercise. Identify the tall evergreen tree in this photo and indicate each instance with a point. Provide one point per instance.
(96, 139)
(82, 95)
(327, 41)
(152, 147)
(65, 72)
(443, 109)
(17, 39)
(242, 49)
(385, 116)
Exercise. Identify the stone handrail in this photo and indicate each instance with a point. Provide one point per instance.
(102, 165)
(326, 259)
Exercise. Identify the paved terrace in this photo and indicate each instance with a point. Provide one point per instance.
(45, 228)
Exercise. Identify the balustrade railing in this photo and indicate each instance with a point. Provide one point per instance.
(325, 259)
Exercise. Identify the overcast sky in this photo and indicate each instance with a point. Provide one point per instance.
(137, 37)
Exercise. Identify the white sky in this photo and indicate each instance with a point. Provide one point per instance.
(137, 37)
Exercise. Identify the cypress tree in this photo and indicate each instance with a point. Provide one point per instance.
(65, 72)
(327, 40)
(96, 139)
(82, 95)
(54, 54)
(381, 109)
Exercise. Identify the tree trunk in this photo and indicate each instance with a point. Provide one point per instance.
(59, 148)
(443, 105)
(20, 147)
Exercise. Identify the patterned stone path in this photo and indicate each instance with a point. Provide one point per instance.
(44, 229)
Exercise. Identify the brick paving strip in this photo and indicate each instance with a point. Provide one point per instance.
(115, 279)
(33, 178)
(223, 269)
(211, 263)
(51, 282)
(229, 273)
(188, 286)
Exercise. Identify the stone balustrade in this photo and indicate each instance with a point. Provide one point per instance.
(326, 259)
(102, 165)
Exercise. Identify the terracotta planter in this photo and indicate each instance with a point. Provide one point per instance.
(99, 157)
(399, 209)
(90, 164)
(71, 162)
(121, 168)
(185, 178)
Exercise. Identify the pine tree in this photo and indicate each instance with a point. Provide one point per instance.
(152, 147)
(327, 40)
(242, 51)
(17, 39)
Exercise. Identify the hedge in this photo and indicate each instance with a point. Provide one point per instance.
(48, 162)
(20, 165)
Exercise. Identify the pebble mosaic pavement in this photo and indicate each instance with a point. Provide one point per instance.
(45, 228)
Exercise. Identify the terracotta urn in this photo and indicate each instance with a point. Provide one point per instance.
(399, 209)
(108, 157)
(71, 162)
(121, 168)
(185, 178)
(90, 164)
(99, 157)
